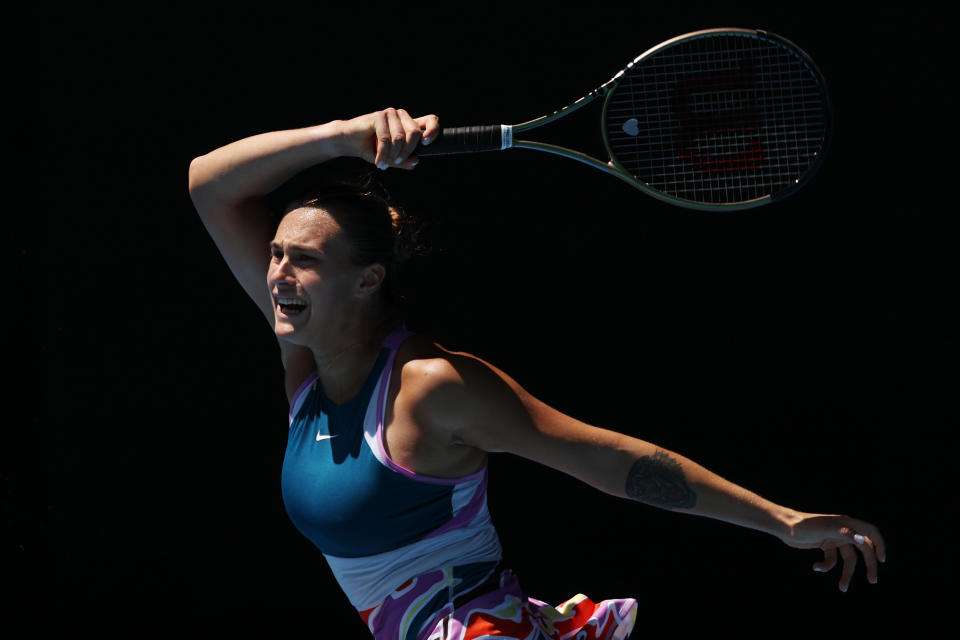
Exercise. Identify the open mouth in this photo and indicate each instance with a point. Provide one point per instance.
(290, 306)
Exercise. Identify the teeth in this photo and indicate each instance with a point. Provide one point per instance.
(290, 301)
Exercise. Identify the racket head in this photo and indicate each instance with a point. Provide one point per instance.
(720, 119)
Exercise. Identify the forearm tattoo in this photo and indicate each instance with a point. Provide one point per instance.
(659, 481)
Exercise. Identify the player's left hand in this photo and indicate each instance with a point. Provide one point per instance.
(843, 535)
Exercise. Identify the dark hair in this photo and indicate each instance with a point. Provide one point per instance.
(377, 229)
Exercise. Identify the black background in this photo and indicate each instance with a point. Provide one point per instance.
(805, 350)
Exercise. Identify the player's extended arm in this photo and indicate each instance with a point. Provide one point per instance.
(481, 406)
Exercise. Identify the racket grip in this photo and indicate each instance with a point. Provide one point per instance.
(467, 140)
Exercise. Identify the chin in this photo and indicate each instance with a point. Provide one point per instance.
(292, 334)
(285, 331)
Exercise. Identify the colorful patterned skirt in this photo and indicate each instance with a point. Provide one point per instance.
(438, 606)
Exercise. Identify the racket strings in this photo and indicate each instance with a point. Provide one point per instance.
(719, 119)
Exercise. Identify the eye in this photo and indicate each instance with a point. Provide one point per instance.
(298, 256)
(295, 256)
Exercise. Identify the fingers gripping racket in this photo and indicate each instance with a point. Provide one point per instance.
(720, 119)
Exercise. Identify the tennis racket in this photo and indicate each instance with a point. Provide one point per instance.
(720, 119)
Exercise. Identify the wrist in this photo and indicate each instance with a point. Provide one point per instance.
(786, 522)
(330, 139)
(352, 138)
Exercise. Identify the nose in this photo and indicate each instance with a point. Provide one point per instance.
(280, 272)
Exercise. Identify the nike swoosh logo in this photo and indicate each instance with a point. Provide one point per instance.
(321, 436)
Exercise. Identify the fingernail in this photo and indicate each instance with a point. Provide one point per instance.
(426, 141)
(859, 539)
(398, 160)
(382, 165)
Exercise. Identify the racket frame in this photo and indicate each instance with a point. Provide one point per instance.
(617, 170)
(500, 137)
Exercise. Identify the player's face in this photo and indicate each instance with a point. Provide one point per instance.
(311, 276)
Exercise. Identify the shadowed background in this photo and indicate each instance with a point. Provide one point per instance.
(804, 350)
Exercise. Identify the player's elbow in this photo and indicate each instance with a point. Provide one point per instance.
(604, 465)
(202, 186)
(195, 179)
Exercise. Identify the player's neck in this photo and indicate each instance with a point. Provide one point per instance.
(344, 365)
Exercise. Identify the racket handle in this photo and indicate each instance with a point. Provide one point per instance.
(467, 140)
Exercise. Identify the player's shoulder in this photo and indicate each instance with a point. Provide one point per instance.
(443, 381)
(427, 365)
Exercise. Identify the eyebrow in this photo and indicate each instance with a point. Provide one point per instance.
(296, 247)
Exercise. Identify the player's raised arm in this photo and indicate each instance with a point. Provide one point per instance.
(228, 184)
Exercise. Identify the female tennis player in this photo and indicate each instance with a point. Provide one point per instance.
(386, 463)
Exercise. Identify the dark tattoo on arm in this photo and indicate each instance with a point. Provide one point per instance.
(660, 481)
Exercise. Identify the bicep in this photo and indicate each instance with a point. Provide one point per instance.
(538, 432)
(487, 409)
(242, 232)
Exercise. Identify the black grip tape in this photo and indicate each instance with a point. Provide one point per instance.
(463, 140)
